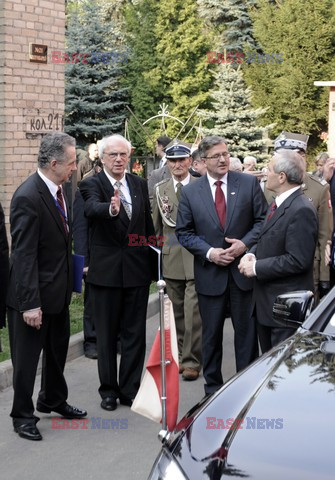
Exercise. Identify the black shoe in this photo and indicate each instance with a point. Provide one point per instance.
(126, 401)
(66, 411)
(28, 431)
(93, 354)
(108, 403)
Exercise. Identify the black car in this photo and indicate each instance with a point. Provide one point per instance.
(274, 420)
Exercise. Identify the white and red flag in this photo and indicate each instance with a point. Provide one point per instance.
(148, 399)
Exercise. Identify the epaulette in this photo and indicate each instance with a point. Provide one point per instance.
(318, 180)
(161, 182)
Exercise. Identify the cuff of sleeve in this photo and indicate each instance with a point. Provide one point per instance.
(208, 254)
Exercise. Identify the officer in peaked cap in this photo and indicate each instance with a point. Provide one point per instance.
(318, 194)
(178, 271)
(177, 149)
(292, 141)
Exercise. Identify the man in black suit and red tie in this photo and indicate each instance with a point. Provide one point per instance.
(40, 286)
(282, 260)
(120, 269)
(219, 219)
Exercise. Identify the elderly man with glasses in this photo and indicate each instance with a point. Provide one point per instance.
(219, 219)
(119, 272)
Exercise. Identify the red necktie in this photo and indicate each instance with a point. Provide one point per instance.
(220, 203)
(272, 210)
(61, 209)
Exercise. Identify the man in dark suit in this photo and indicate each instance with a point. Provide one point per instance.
(282, 260)
(219, 218)
(119, 273)
(4, 269)
(40, 286)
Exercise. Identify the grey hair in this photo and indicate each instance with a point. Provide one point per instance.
(322, 156)
(208, 142)
(292, 164)
(235, 164)
(53, 147)
(196, 156)
(107, 140)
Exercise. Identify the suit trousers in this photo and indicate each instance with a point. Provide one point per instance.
(90, 337)
(188, 321)
(271, 336)
(213, 311)
(120, 310)
(26, 345)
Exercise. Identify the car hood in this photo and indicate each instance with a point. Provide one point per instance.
(284, 412)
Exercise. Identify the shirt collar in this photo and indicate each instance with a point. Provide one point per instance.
(113, 180)
(213, 180)
(283, 196)
(184, 182)
(49, 183)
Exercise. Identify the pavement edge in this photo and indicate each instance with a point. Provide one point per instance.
(75, 350)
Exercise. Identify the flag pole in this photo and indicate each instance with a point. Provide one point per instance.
(161, 286)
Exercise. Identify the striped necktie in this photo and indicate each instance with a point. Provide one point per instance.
(125, 204)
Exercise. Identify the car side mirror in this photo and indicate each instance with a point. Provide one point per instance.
(291, 309)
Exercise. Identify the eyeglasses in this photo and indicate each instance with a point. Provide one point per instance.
(114, 155)
(217, 156)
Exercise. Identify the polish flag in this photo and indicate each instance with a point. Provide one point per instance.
(148, 399)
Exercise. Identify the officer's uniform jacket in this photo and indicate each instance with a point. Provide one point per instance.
(177, 261)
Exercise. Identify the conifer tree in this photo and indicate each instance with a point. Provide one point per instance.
(94, 99)
(232, 115)
(231, 21)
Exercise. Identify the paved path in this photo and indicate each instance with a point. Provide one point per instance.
(111, 453)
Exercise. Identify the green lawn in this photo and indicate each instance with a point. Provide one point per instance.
(76, 317)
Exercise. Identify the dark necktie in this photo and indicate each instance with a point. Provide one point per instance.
(272, 210)
(178, 190)
(220, 203)
(61, 209)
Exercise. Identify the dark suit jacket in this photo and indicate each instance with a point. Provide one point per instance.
(198, 227)
(4, 267)
(115, 260)
(285, 253)
(41, 262)
(80, 228)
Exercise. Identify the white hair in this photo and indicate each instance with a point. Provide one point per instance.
(107, 140)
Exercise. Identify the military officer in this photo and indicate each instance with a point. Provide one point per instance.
(177, 261)
(318, 193)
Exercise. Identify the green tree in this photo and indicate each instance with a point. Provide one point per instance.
(168, 59)
(94, 98)
(182, 49)
(303, 31)
(232, 115)
(231, 20)
(145, 92)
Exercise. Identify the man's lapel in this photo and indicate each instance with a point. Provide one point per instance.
(50, 203)
(279, 212)
(135, 193)
(233, 187)
(207, 198)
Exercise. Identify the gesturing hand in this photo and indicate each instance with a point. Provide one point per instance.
(115, 202)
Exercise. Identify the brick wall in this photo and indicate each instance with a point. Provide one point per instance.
(31, 94)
